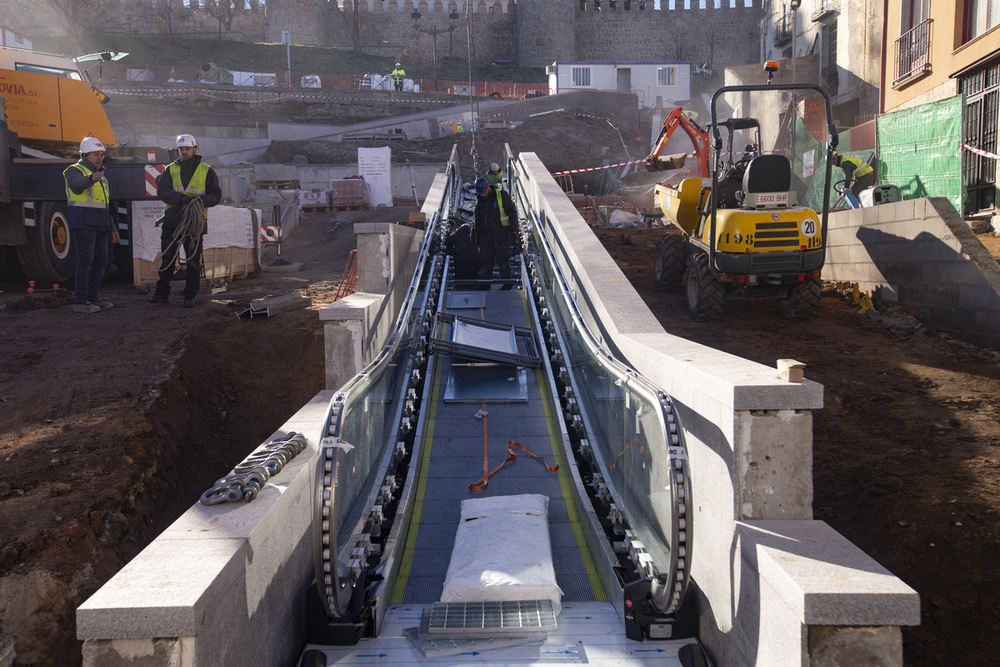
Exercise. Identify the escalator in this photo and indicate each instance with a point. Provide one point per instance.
(496, 485)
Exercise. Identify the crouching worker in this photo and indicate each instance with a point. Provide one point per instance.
(461, 246)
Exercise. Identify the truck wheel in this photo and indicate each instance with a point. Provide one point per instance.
(668, 264)
(803, 300)
(705, 294)
(48, 256)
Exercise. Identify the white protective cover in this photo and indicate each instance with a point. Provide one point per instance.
(503, 552)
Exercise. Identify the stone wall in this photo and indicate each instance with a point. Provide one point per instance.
(531, 33)
(720, 37)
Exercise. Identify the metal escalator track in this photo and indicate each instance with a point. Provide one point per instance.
(411, 435)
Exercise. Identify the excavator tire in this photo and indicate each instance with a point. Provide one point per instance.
(705, 294)
(668, 263)
(49, 256)
(803, 301)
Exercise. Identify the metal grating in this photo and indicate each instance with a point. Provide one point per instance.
(483, 619)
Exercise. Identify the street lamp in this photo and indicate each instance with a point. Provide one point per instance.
(794, 4)
(433, 32)
(286, 39)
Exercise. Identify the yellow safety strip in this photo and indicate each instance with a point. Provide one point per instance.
(565, 481)
(406, 563)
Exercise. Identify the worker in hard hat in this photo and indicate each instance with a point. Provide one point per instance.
(92, 227)
(398, 75)
(858, 174)
(496, 230)
(494, 175)
(189, 187)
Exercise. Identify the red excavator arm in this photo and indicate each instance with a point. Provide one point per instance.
(698, 136)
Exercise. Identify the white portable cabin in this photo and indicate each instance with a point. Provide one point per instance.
(670, 81)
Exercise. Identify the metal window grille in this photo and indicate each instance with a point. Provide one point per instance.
(979, 130)
(913, 52)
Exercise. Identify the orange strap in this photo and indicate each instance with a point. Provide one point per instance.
(628, 446)
(481, 483)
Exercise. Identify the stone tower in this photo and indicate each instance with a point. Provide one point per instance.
(546, 32)
(308, 21)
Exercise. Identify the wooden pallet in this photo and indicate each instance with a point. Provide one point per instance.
(315, 209)
(350, 207)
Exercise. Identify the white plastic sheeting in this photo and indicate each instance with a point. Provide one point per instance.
(503, 552)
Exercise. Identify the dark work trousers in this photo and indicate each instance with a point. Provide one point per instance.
(92, 252)
(863, 183)
(490, 252)
(192, 252)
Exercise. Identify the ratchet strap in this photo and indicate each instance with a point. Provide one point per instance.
(480, 484)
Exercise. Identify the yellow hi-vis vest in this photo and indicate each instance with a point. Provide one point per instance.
(861, 168)
(92, 197)
(195, 187)
(503, 214)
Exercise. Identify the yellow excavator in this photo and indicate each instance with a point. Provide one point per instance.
(741, 233)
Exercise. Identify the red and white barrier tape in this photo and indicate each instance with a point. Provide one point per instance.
(580, 171)
(236, 95)
(979, 151)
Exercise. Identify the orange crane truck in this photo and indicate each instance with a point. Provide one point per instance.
(47, 109)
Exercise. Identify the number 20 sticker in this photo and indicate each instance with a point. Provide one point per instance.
(809, 227)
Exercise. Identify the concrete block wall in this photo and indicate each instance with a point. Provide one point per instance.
(921, 254)
(356, 327)
(749, 439)
(224, 584)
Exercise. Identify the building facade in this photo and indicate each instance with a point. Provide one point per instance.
(935, 50)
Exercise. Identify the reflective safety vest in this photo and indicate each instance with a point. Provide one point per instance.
(503, 213)
(397, 74)
(195, 187)
(92, 197)
(861, 168)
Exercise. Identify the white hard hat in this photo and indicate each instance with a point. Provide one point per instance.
(186, 140)
(90, 145)
(397, 64)
(494, 167)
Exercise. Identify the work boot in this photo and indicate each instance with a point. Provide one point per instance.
(159, 298)
(189, 302)
(86, 308)
(103, 305)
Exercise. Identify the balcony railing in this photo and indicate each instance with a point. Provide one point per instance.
(913, 53)
(783, 27)
(824, 8)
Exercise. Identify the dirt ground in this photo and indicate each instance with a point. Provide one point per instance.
(906, 449)
(114, 423)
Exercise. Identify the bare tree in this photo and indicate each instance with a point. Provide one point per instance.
(170, 14)
(223, 11)
(79, 17)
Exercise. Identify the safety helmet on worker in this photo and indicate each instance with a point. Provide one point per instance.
(91, 145)
(482, 185)
(494, 167)
(186, 140)
(397, 65)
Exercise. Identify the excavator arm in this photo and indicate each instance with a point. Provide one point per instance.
(698, 136)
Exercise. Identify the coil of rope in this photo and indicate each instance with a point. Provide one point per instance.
(192, 224)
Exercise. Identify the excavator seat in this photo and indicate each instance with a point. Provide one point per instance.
(768, 173)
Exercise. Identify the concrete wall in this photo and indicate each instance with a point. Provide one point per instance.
(767, 575)
(356, 327)
(921, 254)
(224, 584)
